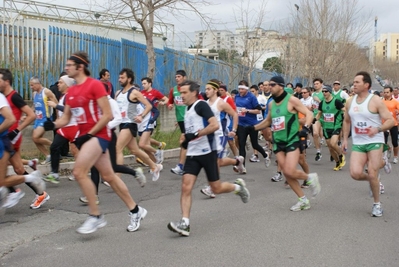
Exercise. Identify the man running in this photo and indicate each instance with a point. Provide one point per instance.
(317, 130)
(200, 141)
(363, 114)
(393, 107)
(86, 96)
(283, 117)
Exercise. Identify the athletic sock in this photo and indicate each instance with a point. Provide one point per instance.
(135, 210)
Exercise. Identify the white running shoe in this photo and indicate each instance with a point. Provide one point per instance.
(267, 160)
(159, 156)
(301, 205)
(395, 160)
(13, 198)
(240, 166)
(177, 170)
(254, 158)
(140, 177)
(156, 171)
(207, 191)
(92, 224)
(314, 184)
(135, 219)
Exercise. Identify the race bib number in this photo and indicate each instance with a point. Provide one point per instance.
(79, 114)
(278, 124)
(362, 128)
(240, 112)
(178, 101)
(328, 117)
(39, 114)
(123, 114)
(259, 117)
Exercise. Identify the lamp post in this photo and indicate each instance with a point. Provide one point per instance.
(97, 16)
(134, 30)
(164, 40)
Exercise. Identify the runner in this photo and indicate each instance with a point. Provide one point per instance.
(393, 107)
(201, 145)
(317, 130)
(330, 115)
(43, 113)
(18, 107)
(86, 96)
(128, 98)
(363, 115)
(285, 126)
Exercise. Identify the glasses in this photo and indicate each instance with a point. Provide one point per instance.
(70, 65)
(272, 84)
(304, 92)
(325, 91)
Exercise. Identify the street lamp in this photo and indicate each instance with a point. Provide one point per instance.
(134, 30)
(164, 40)
(97, 16)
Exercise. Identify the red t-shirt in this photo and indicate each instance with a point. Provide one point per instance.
(82, 100)
(16, 103)
(153, 96)
(229, 101)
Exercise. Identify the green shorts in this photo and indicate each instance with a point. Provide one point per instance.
(368, 147)
(328, 133)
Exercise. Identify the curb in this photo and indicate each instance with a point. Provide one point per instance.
(68, 166)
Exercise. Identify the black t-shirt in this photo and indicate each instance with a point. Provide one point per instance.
(18, 101)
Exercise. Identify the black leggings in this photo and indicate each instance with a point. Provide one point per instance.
(394, 136)
(56, 147)
(95, 175)
(242, 134)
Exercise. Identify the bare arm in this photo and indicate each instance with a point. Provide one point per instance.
(210, 128)
(229, 110)
(65, 118)
(9, 118)
(50, 95)
(346, 124)
(30, 117)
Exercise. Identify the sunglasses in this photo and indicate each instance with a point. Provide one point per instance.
(304, 92)
(325, 91)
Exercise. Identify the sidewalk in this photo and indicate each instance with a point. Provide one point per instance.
(66, 167)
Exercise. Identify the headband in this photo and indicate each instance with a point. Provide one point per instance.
(243, 87)
(78, 60)
(213, 84)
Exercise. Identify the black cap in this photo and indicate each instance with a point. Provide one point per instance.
(299, 85)
(279, 80)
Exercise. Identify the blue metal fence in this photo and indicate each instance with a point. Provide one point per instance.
(37, 52)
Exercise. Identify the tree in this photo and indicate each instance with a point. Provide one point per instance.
(273, 64)
(230, 56)
(144, 12)
(322, 40)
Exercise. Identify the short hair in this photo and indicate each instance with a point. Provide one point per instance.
(192, 86)
(306, 88)
(396, 87)
(259, 84)
(234, 92)
(243, 82)
(254, 87)
(366, 77)
(7, 75)
(292, 86)
(223, 86)
(317, 80)
(129, 74)
(83, 60)
(388, 87)
(148, 79)
(35, 79)
(181, 72)
(102, 72)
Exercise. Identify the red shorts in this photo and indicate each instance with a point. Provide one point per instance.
(69, 132)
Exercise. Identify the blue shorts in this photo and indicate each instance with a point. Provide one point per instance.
(39, 123)
(223, 142)
(103, 144)
(6, 146)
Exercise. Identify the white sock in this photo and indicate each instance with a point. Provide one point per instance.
(30, 163)
(237, 188)
(186, 220)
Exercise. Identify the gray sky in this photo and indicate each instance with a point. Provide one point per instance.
(277, 12)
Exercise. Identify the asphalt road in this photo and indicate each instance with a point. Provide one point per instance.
(337, 231)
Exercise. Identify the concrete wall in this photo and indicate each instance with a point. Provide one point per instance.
(166, 120)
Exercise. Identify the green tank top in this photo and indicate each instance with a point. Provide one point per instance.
(285, 125)
(180, 108)
(338, 96)
(315, 104)
(331, 117)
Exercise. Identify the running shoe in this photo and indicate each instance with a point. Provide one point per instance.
(140, 177)
(301, 205)
(179, 227)
(382, 188)
(337, 166)
(267, 160)
(52, 178)
(240, 167)
(105, 183)
(39, 200)
(33, 164)
(342, 162)
(162, 145)
(13, 198)
(71, 177)
(47, 160)
(277, 177)
(318, 156)
(243, 192)
(84, 200)
(395, 160)
(389, 153)
(91, 224)
(309, 143)
(159, 156)
(3, 198)
(156, 171)
(135, 219)
(377, 210)
(314, 184)
(254, 158)
(387, 166)
(207, 191)
(38, 183)
(140, 161)
(304, 185)
(177, 170)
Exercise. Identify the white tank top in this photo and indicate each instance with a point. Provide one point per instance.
(128, 109)
(72, 121)
(362, 120)
(219, 116)
(193, 123)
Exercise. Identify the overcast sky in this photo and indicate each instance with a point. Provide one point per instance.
(277, 12)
